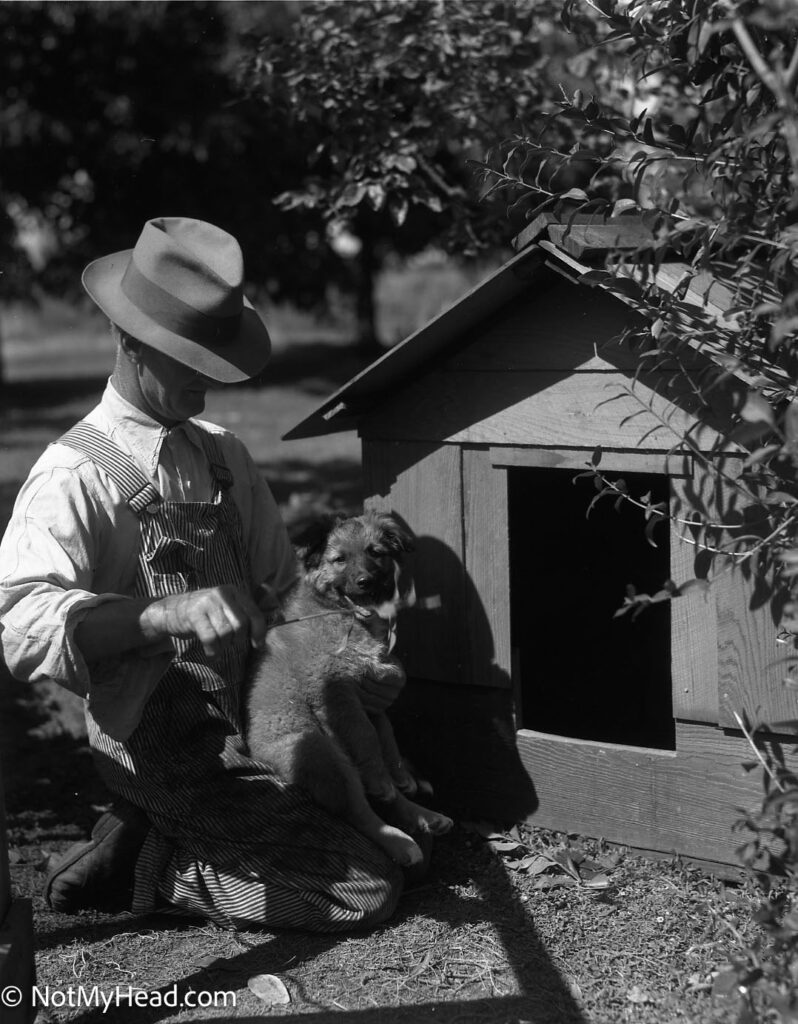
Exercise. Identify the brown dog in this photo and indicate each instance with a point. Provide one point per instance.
(304, 712)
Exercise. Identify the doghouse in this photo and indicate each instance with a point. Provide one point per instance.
(526, 695)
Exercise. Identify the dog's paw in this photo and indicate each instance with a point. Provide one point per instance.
(426, 820)
(405, 783)
(400, 847)
(438, 824)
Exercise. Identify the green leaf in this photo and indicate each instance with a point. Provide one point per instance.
(398, 210)
(757, 409)
(575, 193)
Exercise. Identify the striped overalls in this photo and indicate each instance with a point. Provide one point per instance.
(230, 840)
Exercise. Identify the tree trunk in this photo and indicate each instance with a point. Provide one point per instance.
(367, 341)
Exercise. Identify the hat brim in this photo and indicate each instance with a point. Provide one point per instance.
(240, 358)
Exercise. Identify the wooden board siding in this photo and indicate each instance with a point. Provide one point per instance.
(546, 330)
(668, 464)
(487, 560)
(694, 628)
(578, 410)
(684, 801)
(750, 671)
(423, 484)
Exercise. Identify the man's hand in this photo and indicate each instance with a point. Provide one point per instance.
(217, 617)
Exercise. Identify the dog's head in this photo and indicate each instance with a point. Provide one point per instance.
(356, 558)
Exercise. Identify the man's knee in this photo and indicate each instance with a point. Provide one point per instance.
(384, 898)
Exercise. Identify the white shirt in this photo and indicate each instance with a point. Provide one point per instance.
(72, 543)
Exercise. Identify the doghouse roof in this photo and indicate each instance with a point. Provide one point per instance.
(567, 248)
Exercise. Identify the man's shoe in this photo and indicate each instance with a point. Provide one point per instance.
(99, 874)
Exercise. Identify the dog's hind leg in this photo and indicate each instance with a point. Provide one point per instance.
(342, 717)
(393, 759)
(313, 761)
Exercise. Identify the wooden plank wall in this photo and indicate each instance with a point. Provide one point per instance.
(694, 627)
(423, 484)
(548, 370)
(684, 801)
(487, 560)
(547, 408)
(751, 669)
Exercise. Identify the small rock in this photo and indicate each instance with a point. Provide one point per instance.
(269, 989)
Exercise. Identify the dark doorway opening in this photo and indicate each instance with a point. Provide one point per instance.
(581, 672)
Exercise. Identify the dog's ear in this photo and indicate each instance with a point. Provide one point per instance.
(395, 533)
(311, 540)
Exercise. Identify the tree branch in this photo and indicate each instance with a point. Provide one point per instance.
(791, 76)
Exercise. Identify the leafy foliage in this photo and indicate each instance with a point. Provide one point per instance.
(395, 95)
(113, 113)
(391, 101)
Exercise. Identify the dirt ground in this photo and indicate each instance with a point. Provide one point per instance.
(510, 927)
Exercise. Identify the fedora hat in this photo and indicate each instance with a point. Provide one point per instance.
(181, 291)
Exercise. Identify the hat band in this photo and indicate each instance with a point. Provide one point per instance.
(175, 315)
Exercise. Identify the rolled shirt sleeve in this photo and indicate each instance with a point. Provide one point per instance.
(62, 527)
(46, 577)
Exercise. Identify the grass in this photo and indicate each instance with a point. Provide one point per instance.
(507, 928)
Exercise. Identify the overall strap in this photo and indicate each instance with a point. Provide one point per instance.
(135, 488)
(221, 474)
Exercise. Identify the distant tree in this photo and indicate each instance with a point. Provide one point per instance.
(391, 100)
(111, 113)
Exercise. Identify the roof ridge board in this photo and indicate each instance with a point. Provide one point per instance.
(540, 224)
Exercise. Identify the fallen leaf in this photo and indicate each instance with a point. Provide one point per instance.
(532, 864)
(596, 882)
(564, 859)
(610, 859)
(269, 989)
(538, 864)
(503, 845)
(638, 995)
(552, 881)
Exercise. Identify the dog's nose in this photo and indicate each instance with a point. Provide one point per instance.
(364, 581)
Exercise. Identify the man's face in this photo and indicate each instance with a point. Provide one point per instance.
(172, 392)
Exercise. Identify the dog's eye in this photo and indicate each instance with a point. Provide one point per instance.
(338, 560)
(376, 552)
